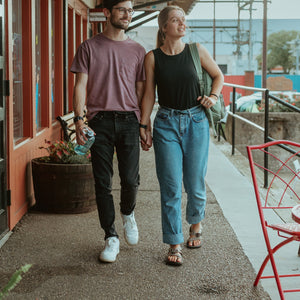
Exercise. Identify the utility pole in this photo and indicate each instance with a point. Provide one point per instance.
(264, 53)
(250, 52)
(238, 47)
(214, 30)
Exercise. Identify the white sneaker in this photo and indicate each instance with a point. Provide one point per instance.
(131, 232)
(111, 250)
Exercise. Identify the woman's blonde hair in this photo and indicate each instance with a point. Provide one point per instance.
(162, 19)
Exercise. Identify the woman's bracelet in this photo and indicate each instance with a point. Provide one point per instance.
(214, 95)
(143, 126)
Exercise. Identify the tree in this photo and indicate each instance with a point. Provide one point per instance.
(278, 50)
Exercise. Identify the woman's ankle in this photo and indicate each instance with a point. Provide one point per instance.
(196, 227)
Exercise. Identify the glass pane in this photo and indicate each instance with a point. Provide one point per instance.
(38, 63)
(17, 68)
(1, 38)
(53, 58)
(2, 182)
(2, 141)
(1, 89)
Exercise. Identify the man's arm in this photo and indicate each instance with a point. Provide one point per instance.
(79, 98)
(139, 89)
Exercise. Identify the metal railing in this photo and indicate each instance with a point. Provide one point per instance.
(265, 129)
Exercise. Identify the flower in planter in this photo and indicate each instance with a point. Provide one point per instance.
(62, 152)
(296, 99)
(278, 107)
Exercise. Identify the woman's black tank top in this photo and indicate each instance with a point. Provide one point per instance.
(176, 79)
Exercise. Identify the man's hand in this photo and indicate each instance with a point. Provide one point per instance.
(80, 136)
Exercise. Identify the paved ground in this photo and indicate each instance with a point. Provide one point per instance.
(64, 249)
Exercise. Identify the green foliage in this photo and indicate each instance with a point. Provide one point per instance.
(62, 152)
(14, 280)
(278, 50)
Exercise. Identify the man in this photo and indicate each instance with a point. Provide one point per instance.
(109, 71)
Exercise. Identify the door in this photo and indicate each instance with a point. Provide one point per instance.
(3, 186)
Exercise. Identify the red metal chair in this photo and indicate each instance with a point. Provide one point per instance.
(280, 193)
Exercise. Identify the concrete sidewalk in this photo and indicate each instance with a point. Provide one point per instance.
(64, 249)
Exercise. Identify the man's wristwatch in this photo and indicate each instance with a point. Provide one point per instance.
(143, 126)
(77, 118)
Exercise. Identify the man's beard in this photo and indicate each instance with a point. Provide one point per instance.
(119, 25)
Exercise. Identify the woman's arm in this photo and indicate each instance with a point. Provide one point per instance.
(148, 99)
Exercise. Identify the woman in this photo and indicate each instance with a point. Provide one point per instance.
(181, 129)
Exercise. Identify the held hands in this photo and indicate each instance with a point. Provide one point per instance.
(146, 139)
(206, 101)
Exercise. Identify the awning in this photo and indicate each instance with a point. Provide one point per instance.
(151, 8)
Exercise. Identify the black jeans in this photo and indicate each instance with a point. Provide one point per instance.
(115, 131)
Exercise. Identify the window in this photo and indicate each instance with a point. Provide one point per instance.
(38, 64)
(53, 58)
(17, 69)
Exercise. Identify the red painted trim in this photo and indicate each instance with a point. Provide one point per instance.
(9, 102)
(28, 82)
(71, 53)
(58, 69)
(84, 29)
(78, 30)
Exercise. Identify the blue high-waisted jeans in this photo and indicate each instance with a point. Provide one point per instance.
(115, 131)
(181, 142)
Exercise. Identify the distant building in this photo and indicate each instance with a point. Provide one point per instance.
(237, 43)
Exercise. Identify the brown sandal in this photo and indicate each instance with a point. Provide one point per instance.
(175, 252)
(194, 236)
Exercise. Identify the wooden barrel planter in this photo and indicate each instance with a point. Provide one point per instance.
(63, 188)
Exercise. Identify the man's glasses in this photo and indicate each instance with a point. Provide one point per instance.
(123, 10)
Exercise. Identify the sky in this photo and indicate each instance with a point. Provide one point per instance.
(277, 9)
